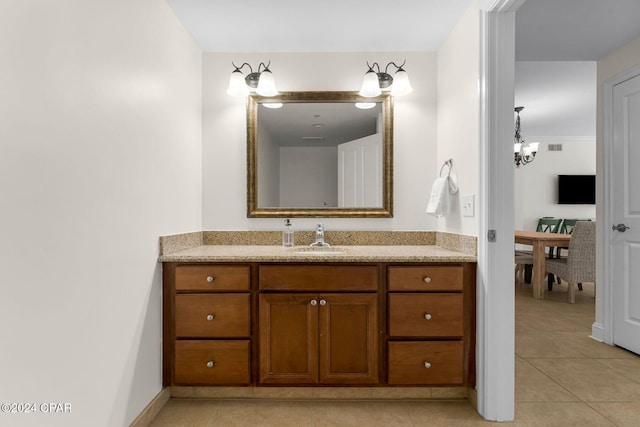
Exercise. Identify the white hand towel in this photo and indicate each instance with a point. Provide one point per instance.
(437, 205)
(453, 183)
(439, 201)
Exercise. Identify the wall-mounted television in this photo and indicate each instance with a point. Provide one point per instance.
(576, 189)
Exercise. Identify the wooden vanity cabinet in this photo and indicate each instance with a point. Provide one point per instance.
(431, 332)
(318, 338)
(207, 324)
(396, 324)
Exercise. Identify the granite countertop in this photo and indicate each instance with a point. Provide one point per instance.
(274, 253)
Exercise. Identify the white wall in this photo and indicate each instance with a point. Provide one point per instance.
(458, 117)
(224, 135)
(623, 59)
(100, 142)
(536, 185)
(317, 168)
(560, 108)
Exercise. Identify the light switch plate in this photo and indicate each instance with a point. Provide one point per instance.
(468, 205)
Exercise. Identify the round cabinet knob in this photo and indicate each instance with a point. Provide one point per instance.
(427, 316)
(209, 279)
(427, 280)
(427, 365)
(314, 302)
(210, 316)
(323, 302)
(210, 364)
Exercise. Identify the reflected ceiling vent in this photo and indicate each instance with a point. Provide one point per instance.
(554, 147)
(312, 138)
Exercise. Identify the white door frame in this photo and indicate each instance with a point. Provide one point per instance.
(495, 332)
(604, 290)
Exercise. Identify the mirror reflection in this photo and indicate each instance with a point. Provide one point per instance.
(319, 155)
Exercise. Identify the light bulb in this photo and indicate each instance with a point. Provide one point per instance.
(237, 85)
(266, 84)
(370, 85)
(401, 84)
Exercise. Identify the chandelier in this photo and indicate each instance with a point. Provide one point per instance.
(524, 152)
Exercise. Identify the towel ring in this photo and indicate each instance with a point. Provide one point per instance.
(448, 163)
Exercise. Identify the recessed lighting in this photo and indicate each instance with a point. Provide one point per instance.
(318, 125)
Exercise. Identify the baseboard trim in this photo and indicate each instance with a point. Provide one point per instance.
(151, 410)
(597, 332)
(319, 393)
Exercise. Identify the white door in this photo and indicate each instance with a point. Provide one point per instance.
(625, 210)
(360, 173)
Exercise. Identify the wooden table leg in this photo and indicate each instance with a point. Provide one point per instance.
(538, 270)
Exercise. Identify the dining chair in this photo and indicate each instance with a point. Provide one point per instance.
(524, 258)
(565, 228)
(579, 265)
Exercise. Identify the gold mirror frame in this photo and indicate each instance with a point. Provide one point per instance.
(253, 211)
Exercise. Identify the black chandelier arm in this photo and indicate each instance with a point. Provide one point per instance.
(398, 67)
(375, 64)
(265, 67)
(241, 67)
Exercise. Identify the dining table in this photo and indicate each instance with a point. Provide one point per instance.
(539, 241)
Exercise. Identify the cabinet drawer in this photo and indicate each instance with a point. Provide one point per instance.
(425, 278)
(212, 278)
(319, 277)
(212, 315)
(435, 362)
(212, 362)
(425, 315)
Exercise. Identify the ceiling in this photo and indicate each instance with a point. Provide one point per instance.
(318, 124)
(574, 30)
(546, 30)
(320, 26)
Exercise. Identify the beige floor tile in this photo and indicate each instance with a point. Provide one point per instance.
(590, 380)
(558, 414)
(621, 414)
(534, 386)
(185, 412)
(582, 342)
(262, 413)
(629, 367)
(541, 344)
(359, 413)
(444, 413)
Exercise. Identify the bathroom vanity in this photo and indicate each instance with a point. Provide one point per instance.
(245, 315)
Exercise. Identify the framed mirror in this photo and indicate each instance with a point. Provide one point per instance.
(318, 155)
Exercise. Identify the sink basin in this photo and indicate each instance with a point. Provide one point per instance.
(319, 250)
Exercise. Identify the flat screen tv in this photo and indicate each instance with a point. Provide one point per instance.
(576, 189)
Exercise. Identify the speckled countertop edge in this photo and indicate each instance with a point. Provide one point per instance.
(272, 253)
(359, 246)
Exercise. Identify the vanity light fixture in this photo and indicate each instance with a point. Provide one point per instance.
(524, 152)
(374, 81)
(261, 81)
(365, 105)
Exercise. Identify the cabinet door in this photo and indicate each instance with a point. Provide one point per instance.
(288, 338)
(348, 338)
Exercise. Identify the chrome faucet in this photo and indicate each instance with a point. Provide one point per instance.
(320, 237)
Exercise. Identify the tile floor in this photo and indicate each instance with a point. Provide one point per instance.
(563, 378)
